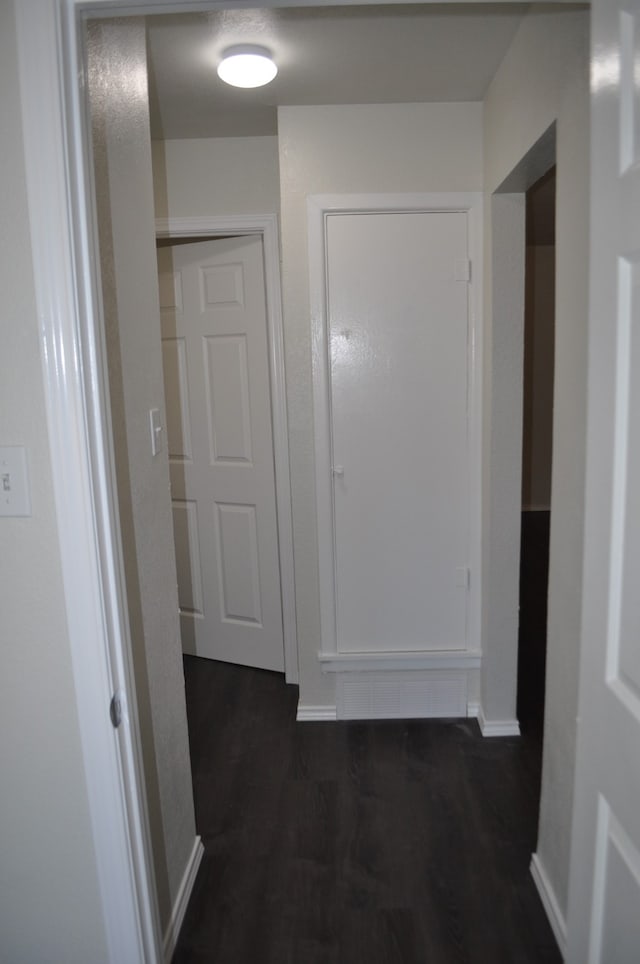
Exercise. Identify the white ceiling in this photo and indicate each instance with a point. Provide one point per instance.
(326, 55)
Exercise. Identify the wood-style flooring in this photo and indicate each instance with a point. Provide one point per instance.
(534, 577)
(356, 843)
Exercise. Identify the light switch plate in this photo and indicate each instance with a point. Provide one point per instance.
(155, 426)
(15, 498)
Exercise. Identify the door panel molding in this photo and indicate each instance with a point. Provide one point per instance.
(265, 225)
(319, 208)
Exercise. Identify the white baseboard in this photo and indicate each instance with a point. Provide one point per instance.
(473, 709)
(550, 904)
(497, 727)
(182, 899)
(308, 713)
(379, 686)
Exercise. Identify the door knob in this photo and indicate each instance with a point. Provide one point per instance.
(338, 471)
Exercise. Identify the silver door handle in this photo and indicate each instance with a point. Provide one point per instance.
(338, 471)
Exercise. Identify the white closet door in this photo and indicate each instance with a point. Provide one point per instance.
(214, 339)
(399, 356)
(604, 889)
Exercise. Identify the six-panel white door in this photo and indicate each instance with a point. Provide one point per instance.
(215, 352)
(397, 310)
(604, 890)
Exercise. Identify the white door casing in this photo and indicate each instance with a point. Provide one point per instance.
(397, 290)
(603, 923)
(322, 209)
(68, 298)
(215, 354)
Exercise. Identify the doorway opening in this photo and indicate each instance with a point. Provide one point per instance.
(537, 432)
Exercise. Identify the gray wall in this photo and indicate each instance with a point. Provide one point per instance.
(544, 78)
(122, 150)
(216, 176)
(49, 902)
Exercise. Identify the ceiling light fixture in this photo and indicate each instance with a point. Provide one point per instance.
(247, 65)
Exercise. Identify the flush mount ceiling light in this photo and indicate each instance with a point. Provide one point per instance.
(247, 65)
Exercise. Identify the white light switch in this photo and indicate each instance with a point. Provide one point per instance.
(15, 499)
(156, 430)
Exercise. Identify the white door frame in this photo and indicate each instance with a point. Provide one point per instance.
(319, 208)
(68, 302)
(265, 225)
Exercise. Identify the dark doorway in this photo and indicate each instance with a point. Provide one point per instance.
(536, 449)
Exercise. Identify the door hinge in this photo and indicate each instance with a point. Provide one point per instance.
(115, 710)
(462, 269)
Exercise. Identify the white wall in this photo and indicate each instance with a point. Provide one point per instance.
(217, 176)
(49, 902)
(122, 149)
(348, 149)
(544, 78)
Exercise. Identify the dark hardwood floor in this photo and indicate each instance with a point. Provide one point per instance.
(532, 637)
(356, 843)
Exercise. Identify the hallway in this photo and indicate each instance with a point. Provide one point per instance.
(400, 842)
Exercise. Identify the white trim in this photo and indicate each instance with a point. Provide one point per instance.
(181, 902)
(550, 903)
(497, 727)
(475, 211)
(393, 661)
(266, 225)
(322, 423)
(309, 713)
(473, 710)
(213, 225)
(61, 215)
(318, 208)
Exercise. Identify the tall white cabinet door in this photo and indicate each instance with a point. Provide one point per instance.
(398, 369)
(604, 891)
(214, 340)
